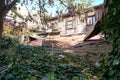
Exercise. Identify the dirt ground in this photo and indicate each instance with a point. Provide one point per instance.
(74, 44)
(74, 39)
(61, 42)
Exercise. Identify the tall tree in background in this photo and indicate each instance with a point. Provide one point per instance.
(75, 7)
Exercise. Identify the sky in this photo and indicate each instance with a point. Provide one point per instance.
(97, 2)
(52, 10)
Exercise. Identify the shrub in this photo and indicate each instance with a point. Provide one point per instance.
(8, 42)
(41, 67)
(111, 27)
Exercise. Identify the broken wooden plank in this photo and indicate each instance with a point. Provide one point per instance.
(95, 30)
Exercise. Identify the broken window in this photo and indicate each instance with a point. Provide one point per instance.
(91, 20)
(70, 24)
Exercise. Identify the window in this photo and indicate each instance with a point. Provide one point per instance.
(81, 19)
(91, 20)
(70, 24)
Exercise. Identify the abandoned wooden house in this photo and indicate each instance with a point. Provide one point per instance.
(71, 24)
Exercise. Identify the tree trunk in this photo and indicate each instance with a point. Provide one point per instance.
(1, 30)
(3, 11)
(2, 7)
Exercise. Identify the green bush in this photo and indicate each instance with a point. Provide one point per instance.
(27, 51)
(111, 70)
(40, 67)
(8, 42)
(29, 62)
(26, 62)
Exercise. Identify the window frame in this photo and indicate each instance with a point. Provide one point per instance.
(91, 20)
(70, 24)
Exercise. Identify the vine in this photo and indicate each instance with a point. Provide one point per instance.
(111, 26)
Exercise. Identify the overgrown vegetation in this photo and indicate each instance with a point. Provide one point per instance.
(8, 42)
(111, 25)
(20, 62)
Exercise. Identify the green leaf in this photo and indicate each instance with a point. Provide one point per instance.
(116, 62)
(31, 78)
(51, 76)
(75, 78)
(111, 72)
